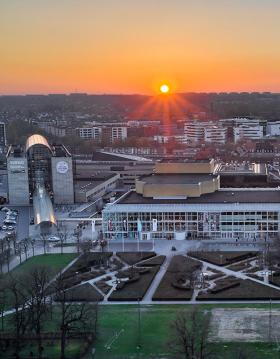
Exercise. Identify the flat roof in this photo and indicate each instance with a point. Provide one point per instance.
(250, 196)
(170, 178)
(85, 185)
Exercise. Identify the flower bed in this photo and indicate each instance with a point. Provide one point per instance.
(136, 288)
(155, 261)
(222, 258)
(81, 293)
(247, 290)
(167, 289)
(132, 258)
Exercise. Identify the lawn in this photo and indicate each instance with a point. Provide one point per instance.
(55, 261)
(118, 333)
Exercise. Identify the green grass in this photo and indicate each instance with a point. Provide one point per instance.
(118, 333)
(51, 350)
(55, 261)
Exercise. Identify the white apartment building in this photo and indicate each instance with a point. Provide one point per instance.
(205, 131)
(215, 134)
(118, 133)
(89, 132)
(194, 132)
(273, 128)
(247, 132)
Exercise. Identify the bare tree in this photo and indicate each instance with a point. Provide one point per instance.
(19, 302)
(63, 233)
(74, 318)
(38, 306)
(189, 334)
(86, 246)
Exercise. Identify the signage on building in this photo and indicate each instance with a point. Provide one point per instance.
(17, 166)
(62, 167)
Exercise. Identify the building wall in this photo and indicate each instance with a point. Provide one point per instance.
(194, 167)
(62, 180)
(18, 184)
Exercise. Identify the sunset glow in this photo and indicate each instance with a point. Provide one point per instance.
(130, 46)
(164, 88)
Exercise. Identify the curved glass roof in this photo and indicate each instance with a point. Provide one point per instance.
(42, 205)
(36, 140)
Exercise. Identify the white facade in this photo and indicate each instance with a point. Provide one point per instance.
(273, 128)
(118, 133)
(215, 134)
(90, 132)
(194, 132)
(247, 132)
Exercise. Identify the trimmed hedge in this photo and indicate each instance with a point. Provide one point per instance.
(222, 258)
(247, 290)
(178, 267)
(82, 293)
(136, 288)
(132, 258)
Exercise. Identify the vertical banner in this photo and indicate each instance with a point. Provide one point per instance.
(139, 225)
(125, 225)
(154, 224)
(110, 225)
(93, 226)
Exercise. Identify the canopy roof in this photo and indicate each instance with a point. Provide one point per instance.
(36, 140)
(43, 208)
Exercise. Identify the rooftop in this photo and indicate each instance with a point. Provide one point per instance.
(248, 196)
(177, 178)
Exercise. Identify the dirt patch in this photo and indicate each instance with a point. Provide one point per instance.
(245, 325)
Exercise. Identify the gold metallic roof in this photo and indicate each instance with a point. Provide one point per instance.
(36, 140)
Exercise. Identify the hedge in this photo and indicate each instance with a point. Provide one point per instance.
(82, 293)
(155, 261)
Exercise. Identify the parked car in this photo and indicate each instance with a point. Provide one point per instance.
(32, 221)
(10, 228)
(4, 227)
(9, 222)
(5, 209)
(53, 239)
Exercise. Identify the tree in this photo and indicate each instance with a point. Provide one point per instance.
(189, 333)
(38, 280)
(63, 233)
(73, 318)
(19, 302)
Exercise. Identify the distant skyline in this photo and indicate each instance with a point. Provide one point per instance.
(126, 46)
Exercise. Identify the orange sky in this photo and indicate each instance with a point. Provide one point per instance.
(129, 46)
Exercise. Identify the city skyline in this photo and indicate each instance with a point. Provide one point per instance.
(128, 47)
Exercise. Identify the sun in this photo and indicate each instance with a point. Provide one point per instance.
(164, 88)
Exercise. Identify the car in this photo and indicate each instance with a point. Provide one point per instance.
(53, 239)
(9, 222)
(10, 228)
(5, 209)
(32, 221)
(4, 227)
(10, 218)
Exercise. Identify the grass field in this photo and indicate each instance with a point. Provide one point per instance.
(119, 335)
(55, 261)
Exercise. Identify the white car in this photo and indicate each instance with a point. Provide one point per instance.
(5, 209)
(53, 239)
(4, 227)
